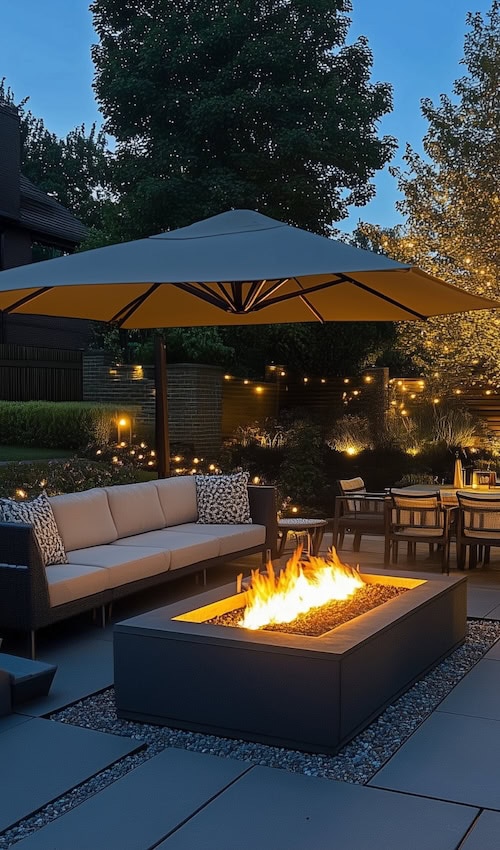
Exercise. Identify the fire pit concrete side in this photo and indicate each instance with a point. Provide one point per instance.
(305, 693)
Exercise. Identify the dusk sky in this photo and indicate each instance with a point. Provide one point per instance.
(45, 54)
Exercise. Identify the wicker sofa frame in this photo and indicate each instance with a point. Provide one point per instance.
(24, 592)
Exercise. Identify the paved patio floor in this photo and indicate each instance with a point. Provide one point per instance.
(439, 790)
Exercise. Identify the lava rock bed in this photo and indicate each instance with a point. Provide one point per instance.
(318, 621)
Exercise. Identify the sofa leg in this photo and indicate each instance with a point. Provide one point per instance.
(204, 578)
(32, 645)
(103, 616)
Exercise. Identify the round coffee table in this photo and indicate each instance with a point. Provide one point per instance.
(314, 528)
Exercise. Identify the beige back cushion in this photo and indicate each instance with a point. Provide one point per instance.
(349, 485)
(483, 512)
(135, 508)
(178, 499)
(84, 519)
(355, 485)
(423, 512)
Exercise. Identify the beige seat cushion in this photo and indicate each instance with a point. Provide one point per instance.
(178, 499)
(135, 508)
(84, 519)
(233, 538)
(123, 564)
(185, 548)
(419, 531)
(68, 582)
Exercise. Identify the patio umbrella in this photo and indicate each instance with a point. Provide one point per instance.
(236, 268)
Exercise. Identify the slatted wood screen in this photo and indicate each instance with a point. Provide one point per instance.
(41, 374)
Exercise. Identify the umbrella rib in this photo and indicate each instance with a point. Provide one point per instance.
(341, 278)
(384, 297)
(210, 293)
(313, 310)
(208, 296)
(266, 302)
(263, 300)
(27, 299)
(253, 294)
(237, 299)
(129, 309)
(220, 287)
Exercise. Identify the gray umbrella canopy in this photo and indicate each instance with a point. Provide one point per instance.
(236, 268)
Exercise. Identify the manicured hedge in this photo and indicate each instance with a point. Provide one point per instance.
(57, 425)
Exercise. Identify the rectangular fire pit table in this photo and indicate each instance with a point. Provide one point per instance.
(307, 693)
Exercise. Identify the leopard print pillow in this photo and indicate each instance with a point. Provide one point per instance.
(223, 498)
(38, 513)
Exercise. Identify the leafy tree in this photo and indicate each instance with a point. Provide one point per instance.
(74, 170)
(248, 104)
(452, 208)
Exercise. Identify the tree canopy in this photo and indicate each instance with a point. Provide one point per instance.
(452, 207)
(225, 105)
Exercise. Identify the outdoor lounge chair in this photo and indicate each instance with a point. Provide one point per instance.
(356, 511)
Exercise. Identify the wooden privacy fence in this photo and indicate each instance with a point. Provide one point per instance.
(43, 374)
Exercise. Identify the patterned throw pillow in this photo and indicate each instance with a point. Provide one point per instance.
(38, 513)
(223, 498)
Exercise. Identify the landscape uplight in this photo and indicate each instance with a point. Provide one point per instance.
(124, 422)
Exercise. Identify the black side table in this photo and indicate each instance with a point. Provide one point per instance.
(314, 528)
(28, 679)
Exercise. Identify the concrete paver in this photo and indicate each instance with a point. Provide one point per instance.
(277, 810)
(141, 808)
(449, 757)
(41, 759)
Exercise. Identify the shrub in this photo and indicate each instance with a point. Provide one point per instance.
(27, 480)
(351, 434)
(56, 425)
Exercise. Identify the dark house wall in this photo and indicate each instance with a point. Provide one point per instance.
(29, 216)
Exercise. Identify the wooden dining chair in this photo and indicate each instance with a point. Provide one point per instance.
(478, 527)
(416, 518)
(356, 511)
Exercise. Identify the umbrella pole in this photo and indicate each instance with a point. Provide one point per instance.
(161, 417)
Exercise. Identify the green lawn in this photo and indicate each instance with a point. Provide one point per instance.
(13, 453)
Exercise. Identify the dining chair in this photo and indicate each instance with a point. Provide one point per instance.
(478, 527)
(416, 518)
(356, 511)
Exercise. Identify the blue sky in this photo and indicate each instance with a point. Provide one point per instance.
(45, 54)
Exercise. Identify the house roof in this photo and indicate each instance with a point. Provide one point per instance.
(47, 218)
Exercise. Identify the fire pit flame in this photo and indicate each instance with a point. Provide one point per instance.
(302, 585)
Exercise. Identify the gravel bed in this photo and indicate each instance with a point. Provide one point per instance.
(357, 762)
(317, 621)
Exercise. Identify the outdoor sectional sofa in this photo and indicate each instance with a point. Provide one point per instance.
(119, 540)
